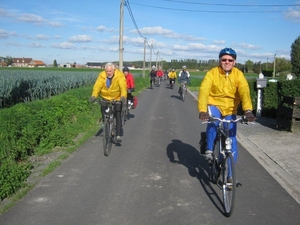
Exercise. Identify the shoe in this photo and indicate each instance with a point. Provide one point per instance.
(119, 139)
(229, 183)
(208, 155)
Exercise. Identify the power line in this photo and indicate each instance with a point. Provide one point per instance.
(210, 11)
(132, 18)
(238, 5)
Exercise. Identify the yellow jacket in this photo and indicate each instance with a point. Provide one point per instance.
(225, 92)
(117, 88)
(172, 75)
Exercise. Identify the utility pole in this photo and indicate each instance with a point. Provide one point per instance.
(156, 59)
(274, 65)
(151, 55)
(144, 63)
(121, 49)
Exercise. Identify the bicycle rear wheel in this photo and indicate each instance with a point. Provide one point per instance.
(228, 187)
(107, 143)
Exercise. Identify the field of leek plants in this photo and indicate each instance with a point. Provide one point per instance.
(28, 85)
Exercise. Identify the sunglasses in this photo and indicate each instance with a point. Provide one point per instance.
(229, 60)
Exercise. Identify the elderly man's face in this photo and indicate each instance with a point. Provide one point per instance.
(109, 72)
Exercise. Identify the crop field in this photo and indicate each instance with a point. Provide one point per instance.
(29, 85)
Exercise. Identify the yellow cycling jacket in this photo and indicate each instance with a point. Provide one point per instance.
(172, 75)
(224, 92)
(117, 88)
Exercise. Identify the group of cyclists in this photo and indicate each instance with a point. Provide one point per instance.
(183, 76)
(220, 93)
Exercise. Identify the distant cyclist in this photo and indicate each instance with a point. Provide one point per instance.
(152, 76)
(183, 76)
(130, 84)
(159, 74)
(172, 76)
(221, 91)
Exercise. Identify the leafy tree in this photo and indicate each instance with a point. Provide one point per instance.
(295, 57)
(54, 63)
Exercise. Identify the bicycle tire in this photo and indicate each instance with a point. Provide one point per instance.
(228, 190)
(215, 165)
(183, 94)
(107, 138)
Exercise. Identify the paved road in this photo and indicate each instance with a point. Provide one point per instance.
(151, 178)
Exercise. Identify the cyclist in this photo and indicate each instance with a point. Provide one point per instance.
(159, 74)
(183, 76)
(172, 76)
(220, 93)
(152, 76)
(111, 85)
(130, 84)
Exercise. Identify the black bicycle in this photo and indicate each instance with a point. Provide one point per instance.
(109, 127)
(183, 91)
(222, 164)
(125, 111)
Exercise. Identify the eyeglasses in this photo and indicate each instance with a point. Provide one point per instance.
(229, 60)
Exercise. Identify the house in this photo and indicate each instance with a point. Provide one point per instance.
(21, 62)
(36, 63)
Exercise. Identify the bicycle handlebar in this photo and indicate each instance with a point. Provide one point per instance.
(213, 119)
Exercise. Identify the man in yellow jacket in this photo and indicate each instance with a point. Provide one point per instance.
(172, 76)
(111, 85)
(220, 93)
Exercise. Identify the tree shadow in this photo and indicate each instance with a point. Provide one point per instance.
(188, 156)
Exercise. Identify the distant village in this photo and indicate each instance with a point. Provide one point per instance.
(29, 62)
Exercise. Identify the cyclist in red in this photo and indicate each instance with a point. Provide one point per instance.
(130, 84)
(159, 74)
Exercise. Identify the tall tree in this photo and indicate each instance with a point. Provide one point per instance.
(295, 57)
(54, 63)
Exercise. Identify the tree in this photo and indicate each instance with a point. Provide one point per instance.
(54, 63)
(295, 57)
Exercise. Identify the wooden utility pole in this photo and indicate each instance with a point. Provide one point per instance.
(121, 49)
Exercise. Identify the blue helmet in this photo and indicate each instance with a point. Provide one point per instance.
(227, 51)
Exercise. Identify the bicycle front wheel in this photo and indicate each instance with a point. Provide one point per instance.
(228, 184)
(107, 144)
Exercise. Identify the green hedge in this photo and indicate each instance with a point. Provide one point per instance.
(35, 128)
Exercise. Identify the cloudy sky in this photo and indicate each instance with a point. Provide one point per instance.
(88, 31)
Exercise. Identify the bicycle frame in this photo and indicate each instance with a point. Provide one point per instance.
(223, 163)
(109, 134)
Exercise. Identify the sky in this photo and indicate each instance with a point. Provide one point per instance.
(89, 31)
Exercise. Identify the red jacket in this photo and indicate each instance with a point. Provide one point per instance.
(130, 81)
(159, 73)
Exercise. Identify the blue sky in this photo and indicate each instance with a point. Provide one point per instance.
(88, 31)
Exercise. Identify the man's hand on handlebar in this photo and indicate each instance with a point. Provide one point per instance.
(249, 116)
(204, 116)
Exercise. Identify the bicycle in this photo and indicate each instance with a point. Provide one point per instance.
(222, 163)
(183, 91)
(172, 83)
(109, 126)
(125, 111)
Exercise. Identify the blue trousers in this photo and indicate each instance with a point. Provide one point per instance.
(211, 131)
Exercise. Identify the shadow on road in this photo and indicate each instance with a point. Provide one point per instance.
(185, 154)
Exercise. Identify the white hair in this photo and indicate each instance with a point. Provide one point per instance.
(110, 64)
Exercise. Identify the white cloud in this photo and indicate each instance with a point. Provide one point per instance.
(80, 38)
(42, 37)
(246, 46)
(5, 34)
(105, 29)
(56, 24)
(219, 42)
(293, 14)
(64, 45)
(31, 18)
(36, 45)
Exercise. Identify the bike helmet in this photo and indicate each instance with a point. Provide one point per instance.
(173, 69)
(228, 51)
(184, 67)
(125, 69)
